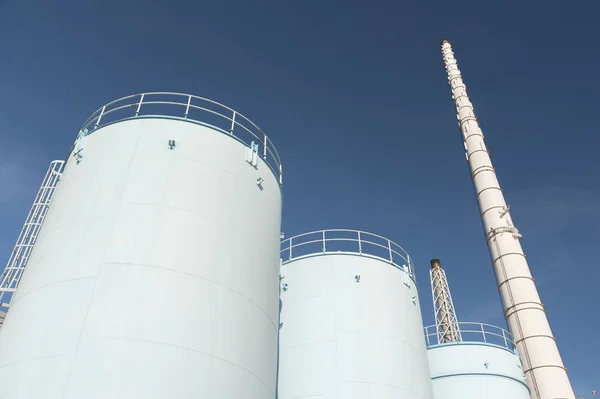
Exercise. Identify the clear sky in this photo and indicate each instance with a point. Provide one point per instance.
(355, 98)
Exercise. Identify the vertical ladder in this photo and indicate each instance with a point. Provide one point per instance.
(9, 280)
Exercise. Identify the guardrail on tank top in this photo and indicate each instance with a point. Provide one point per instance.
(474, 333)
(349, 242)
(191, 108)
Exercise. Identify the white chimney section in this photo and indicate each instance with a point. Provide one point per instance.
(525, 315)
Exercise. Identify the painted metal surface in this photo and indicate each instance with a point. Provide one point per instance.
(17, 262)
(351, 326)
(446, 322)
(485, 364)
(525, 314)
(191, 108)
(155, 274)
(465, 370)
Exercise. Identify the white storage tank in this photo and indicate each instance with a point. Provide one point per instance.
(485, 364)
(351, 323)
(155, 274)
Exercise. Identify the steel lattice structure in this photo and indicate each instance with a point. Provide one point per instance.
(9, 280)
(446, 323)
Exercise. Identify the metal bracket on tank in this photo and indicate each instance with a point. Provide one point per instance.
(79, 144)
(259, 182)
(406, 276)
(252, 154)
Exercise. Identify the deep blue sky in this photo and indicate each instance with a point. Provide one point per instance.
(355, 98)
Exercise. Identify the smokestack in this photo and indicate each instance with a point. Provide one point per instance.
(525, 315)
(446, 323)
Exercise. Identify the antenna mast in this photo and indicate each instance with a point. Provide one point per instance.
(446, 323)
(525, 315)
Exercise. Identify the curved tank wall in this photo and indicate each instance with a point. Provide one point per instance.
(476, 367)
(155, 274)
(351, 324)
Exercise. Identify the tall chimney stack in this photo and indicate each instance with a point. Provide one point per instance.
(525, 315)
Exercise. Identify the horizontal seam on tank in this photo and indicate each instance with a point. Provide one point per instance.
(188, 349)
(199, 214)
(345, 331)
(29, 360)
(48, 285)
(480, 375)
(383, 335)
(46, 234)
(383, 385)
(200, 278)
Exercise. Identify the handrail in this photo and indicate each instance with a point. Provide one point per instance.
(346, 241)
(198, 109)
(474, 333)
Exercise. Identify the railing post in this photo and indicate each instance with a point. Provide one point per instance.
(390, 250)
(290, 249)
(99, 117)
(359, 243)
(504, 337)
(324, 247)
(137, 111)
(265, 148)
(232, 123)
(483, 333)
(280, 174)
(187, 107)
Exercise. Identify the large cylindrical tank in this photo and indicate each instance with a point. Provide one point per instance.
(156, 272)
(484, 364)
(351, 324)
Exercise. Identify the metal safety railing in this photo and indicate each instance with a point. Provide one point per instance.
(192, 108)
(17, 262)
(346, 241)
(474, 332)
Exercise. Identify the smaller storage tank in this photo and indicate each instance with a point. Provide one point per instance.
(350, 325)
(485, 364)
